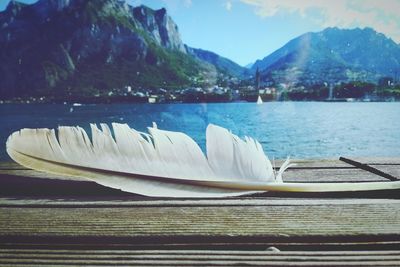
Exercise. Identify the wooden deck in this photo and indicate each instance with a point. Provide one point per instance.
(46, 221)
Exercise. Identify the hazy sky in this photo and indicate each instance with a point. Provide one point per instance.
(246, 30)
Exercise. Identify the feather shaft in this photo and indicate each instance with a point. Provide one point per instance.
(162, 163)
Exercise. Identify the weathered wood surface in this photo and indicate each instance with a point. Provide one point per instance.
(47, 222)
(20, 257)
(142, 223)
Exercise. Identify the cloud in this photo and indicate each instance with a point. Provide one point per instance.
(381, 15)
(134, 2)
(228, 5)
(187, 3)
(174, 5)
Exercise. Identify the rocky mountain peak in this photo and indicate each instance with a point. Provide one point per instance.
(161, 26)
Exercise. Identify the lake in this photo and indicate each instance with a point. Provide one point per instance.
(295, 129)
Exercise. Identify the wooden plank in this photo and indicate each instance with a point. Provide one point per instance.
(167, 255)
(304, 171)
(138, 263)
(216, 245)
(378, 160)
(306, 163)
(198, 258)
(273, 252)
(157, 260)
(36, 174)
(333, 175)
(160, 202)
(192, 224)
(197, 254)
(11, 165)
(393, 170)
(292, 174)
(335, 162)
(20, 182)
(299, 175)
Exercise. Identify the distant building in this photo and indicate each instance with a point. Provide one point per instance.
(152, 99)
(258, 79)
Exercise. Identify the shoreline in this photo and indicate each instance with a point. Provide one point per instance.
(111, 102)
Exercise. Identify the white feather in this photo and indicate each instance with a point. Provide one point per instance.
(286, 165)
(132, 160)
(162, 163)
(232, 158)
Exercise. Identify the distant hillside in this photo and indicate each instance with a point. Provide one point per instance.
(88, 47)
(223, 64)
(333, 55)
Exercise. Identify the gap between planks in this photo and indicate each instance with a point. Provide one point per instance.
(149, 202)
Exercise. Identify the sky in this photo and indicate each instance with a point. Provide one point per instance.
(247, 30)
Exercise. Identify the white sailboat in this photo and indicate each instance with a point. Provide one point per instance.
(259, 100)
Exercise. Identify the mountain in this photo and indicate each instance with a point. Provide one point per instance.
(332, 55)
(250, 65)
(73, 48)
(223, 64)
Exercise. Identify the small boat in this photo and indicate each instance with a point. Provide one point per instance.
(259, 100)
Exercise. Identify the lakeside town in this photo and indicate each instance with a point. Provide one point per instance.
(234, 90)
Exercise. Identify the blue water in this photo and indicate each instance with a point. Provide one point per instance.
(298, 129)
